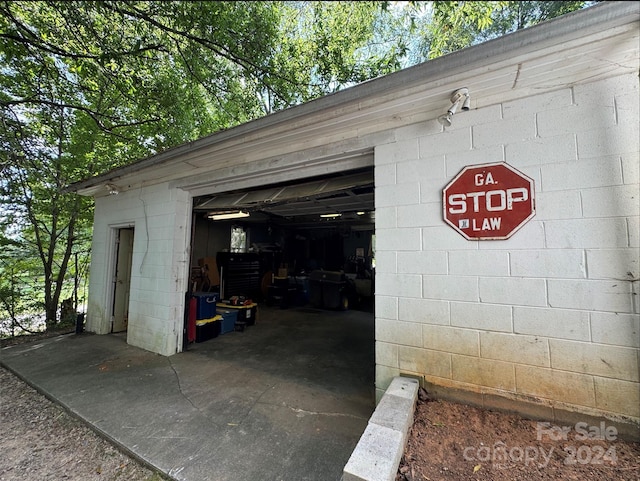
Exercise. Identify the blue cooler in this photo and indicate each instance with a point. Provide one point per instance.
(229, 318)
(206, 304)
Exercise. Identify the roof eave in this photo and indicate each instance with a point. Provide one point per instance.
(569, 27)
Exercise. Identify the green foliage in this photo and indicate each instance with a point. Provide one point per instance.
(456, 24)
(41, 224)
(515, 15)
(87, 86)
(326, 46)
(443, 27)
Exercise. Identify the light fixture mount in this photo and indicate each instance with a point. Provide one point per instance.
(457, 96)
(112, 189)
(445, 119)
(459, 99)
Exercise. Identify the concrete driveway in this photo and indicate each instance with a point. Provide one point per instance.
(285, 400)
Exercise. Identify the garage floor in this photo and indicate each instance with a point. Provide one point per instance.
(287, 399)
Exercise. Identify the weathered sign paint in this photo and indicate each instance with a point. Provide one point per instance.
(489, 201)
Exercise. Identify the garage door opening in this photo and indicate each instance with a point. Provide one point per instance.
(302, 253)
(309, 243)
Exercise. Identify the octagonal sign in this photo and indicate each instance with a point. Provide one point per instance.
(489, 201)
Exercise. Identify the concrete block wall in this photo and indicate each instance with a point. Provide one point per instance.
(547, 320)
(161, 220)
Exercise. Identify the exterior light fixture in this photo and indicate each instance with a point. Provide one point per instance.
(445, 120)
(459, 99)
(227, 215)
(330, 216)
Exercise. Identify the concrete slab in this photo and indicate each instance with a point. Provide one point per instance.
(287, 399)
(377, 456)
(378, 453)
(394, 412)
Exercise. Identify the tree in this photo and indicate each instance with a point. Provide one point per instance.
(443, 27)
(326, 46)
(47, 224)
(89, 86)
(77, 94)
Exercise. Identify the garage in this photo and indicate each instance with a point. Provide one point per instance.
(299, 244)
(497, 320)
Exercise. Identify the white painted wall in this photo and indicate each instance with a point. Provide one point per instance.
(161, 218)
(549, 316)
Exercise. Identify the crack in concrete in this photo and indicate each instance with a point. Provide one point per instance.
(295, 409)
(320, 413)
(180, 386)
(176, 469)
(256, 402)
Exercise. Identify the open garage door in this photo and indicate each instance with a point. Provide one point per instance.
(303, 253)
(308, 242)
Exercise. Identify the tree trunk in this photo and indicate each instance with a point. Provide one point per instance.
(51, 316)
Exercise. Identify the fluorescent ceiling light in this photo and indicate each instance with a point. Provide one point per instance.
(227, 215)
(329, 216)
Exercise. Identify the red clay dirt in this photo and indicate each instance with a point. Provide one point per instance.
(451, 441)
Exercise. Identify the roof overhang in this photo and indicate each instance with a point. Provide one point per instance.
(597, 42)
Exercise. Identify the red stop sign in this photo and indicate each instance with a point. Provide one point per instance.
(489, 201)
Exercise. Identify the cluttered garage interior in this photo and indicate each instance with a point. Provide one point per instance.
(304, 243)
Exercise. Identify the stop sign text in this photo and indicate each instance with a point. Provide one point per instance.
(489, 201)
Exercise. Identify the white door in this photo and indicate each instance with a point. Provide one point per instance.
(122, 283)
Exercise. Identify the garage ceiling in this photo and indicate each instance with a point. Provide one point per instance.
(302, 203)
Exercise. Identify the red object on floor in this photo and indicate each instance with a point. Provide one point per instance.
(191, 322)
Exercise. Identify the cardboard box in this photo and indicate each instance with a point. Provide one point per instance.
(283, 271)
(211, 267)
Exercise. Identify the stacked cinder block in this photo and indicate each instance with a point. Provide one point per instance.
(377, 454)
(547, 322)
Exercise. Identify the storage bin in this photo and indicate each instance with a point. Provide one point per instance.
(229, 318)
(208, 328)
(206, 304)
(303, 289)
(282, 293)
(246, 314)
(328, 289)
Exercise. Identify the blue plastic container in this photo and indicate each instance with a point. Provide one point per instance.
(229, 318)
(206, 304)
